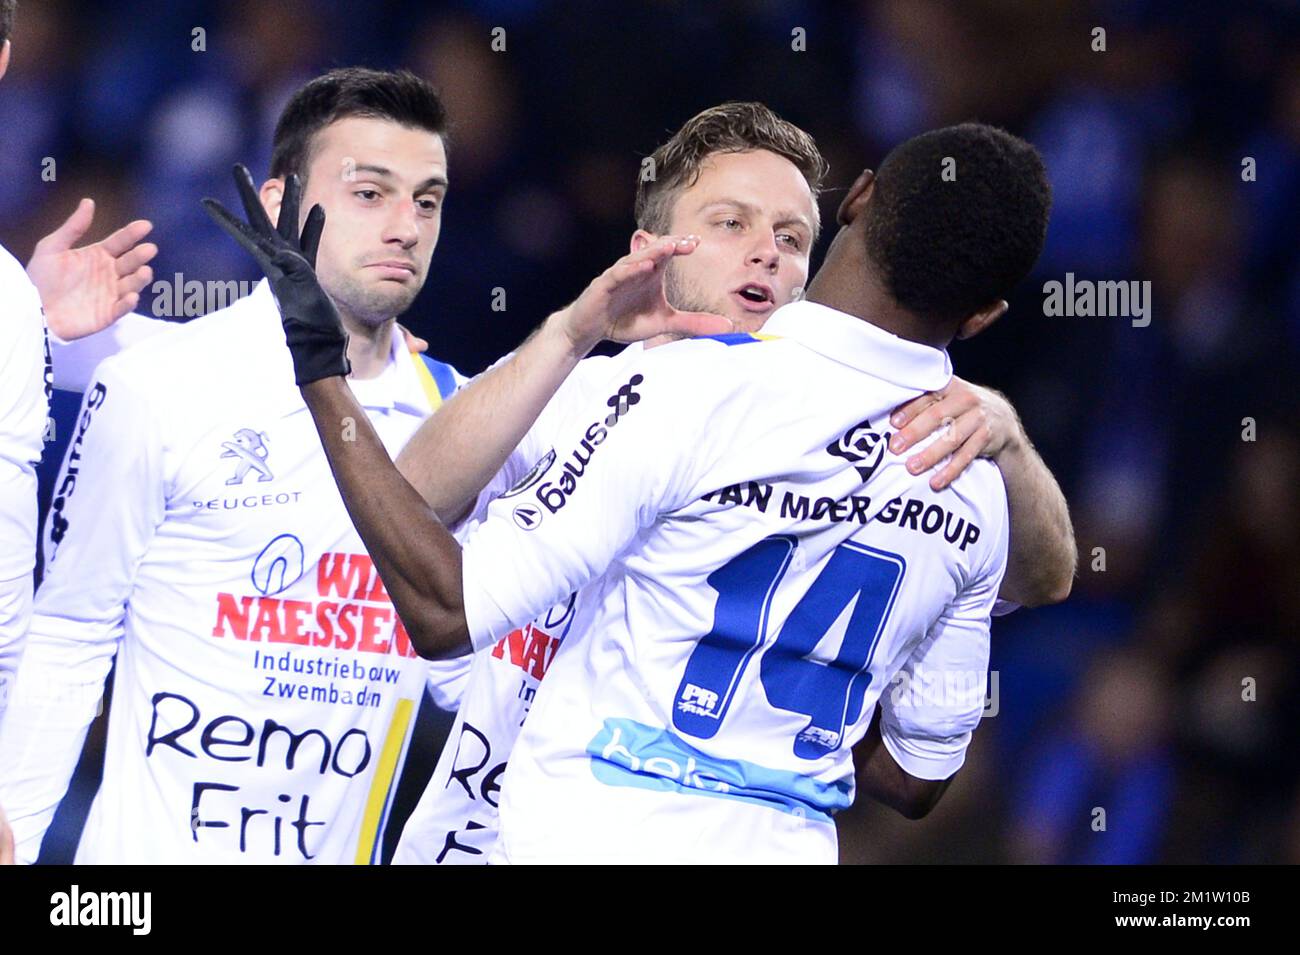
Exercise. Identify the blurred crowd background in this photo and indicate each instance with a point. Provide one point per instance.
(1129, 696)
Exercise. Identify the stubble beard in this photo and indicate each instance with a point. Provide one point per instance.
(685, 296)
(370, 305)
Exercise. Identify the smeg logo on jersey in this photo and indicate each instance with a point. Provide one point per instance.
(95, 399)
(554, 494)
(622, 400)
(533, 476)
(862, 446)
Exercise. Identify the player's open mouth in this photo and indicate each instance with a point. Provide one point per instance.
(754, 297)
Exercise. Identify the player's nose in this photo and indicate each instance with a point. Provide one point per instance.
(764, 253)
(403, 225)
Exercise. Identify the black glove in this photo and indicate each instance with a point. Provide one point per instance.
(312, 327)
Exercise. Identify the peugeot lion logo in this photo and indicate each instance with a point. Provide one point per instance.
(249, 447)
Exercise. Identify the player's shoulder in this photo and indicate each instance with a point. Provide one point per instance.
(712, 362)
(11, 269)
(224, 345)
(983, 493)
(16, 289)
(982, 482)
(446, 378)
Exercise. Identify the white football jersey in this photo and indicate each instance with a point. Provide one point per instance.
(754, 571)
(455, 821)
(75, 362)
(265, 688)
(24, 411)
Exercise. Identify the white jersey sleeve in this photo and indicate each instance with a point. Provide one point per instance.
(455, 821)
(92, 550)
(75, 362)
(24, 410)
(933, 705)
(585, 501)
(447, 682)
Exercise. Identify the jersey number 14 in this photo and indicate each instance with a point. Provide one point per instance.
(829, 694)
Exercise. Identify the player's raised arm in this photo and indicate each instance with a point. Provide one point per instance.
(418, 558)
(459, 449)
(981, 422)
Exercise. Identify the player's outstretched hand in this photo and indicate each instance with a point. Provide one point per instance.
(626, 302)
(979, 423)
(85, 290)
(312, 327)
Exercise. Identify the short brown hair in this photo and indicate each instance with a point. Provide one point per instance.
(728, 128)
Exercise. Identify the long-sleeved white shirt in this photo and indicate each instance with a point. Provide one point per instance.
(24, 411)
(756, 574)
(455, 822)
(265, 689)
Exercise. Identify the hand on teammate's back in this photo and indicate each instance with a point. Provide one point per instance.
(85, 290)
(626, 302)
(312, 326)
(980, 422)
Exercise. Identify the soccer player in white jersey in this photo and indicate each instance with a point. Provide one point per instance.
(754, 564)
(265, 687)
(746, 181)
(97, 283)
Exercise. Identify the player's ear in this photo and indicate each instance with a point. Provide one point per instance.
(640, 239)
(4, 58)
(981, 320)
(856, 199)
(272, 194)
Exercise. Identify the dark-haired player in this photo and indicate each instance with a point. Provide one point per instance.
(264, 687)
(754, 566)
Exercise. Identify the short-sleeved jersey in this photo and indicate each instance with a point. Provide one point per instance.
(265, 688)
(754, 568)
